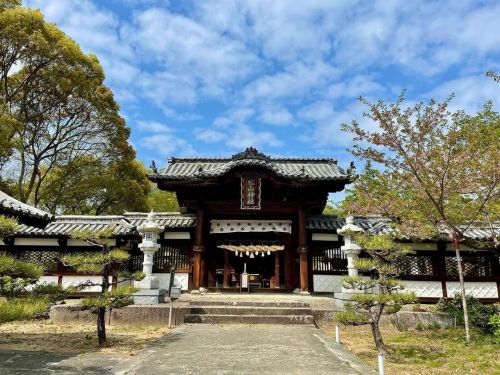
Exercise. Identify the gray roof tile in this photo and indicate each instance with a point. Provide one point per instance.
(200, 168)
(18, 208)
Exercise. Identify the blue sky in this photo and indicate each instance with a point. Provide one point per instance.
(212, 77)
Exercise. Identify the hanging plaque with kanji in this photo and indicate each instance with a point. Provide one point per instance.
(250, 193)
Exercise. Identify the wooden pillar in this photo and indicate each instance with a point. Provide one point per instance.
(277, 269)
(226, 269)
(198, 252)
(303, 251)
(441, 266)
(289, 260)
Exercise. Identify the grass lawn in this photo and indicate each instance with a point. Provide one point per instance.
(436, 351)
(75, 337)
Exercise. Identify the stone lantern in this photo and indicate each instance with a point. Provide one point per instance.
(351, 250)
(150, 293)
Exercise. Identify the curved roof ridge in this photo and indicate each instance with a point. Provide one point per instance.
(17, 207)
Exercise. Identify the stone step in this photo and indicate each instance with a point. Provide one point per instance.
(248, 303)
(250, 310)
(248, 319)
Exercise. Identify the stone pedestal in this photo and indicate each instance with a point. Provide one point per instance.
(149, 296)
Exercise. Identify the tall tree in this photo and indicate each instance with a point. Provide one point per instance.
(67, 115)
(162, 201)
(440, 170)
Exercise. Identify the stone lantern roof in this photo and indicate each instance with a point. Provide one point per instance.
(350, 227)
(150, 225)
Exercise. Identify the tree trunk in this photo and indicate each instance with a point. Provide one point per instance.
(101, 311)
(456, 244)
(377, 337)
(101, 326)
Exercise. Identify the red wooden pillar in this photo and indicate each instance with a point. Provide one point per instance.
(198, 252)
(303, 251)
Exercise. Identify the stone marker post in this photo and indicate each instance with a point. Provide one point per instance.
(150, 292)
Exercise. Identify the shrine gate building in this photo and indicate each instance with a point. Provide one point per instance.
(255, 213)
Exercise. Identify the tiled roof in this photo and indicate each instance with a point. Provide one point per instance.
(166, 219)
(14, 207)
(333, 222)
(65, 225)
(200, 168)
(123, 224)
(380, 225)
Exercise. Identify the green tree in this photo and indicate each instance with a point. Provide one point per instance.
(389, 295)
(107, 264)
(162, 201)
(65, 118)
(439, 170)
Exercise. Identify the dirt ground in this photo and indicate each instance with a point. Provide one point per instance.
(75, 337)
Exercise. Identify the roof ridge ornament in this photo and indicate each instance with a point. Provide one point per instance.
(251, 153)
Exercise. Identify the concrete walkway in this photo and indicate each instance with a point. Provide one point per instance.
(206, 349)
(244, 349)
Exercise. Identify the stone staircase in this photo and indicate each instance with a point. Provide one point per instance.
(249, 312)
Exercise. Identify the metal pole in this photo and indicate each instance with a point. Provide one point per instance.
(381, 364)
(337, 334)
(170, 313)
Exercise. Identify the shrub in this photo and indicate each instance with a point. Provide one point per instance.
(22, 308)
(495, 325)
(479, 314)
(16, 275)
(52, 292)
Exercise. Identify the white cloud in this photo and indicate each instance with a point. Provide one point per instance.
(166, 145)
(209, 135)
(276, 116)
(153, 127)
(471, 92)
(295, 80)
(242, 136)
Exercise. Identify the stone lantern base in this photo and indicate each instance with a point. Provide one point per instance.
(346, 296)
(149, 297)
(149, 293)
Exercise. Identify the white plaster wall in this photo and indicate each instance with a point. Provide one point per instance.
(325, 237)
(424, 288)
(76, 280)
(475, 289)
(181, 278)
(44, 280)
(177, 235)
(36, 242)
(328, 283)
